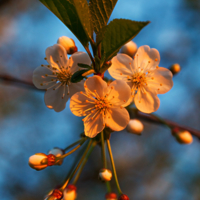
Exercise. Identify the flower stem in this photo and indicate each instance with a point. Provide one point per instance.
(103, 152)
(84, 162)
(71, 175)
(75, 143)
(113, 166)
(74, 149)
(90, 55)
(104, 159)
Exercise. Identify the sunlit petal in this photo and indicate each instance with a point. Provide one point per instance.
(57, 56)
(146, 101)
(117, 118)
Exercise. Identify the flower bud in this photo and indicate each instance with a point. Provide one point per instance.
(40, 161)
(182, 136)
(105, 175)
(55, 195)
(57, 152)
(123, 197)
(135, 126)
(70, 192)
(68, 44)
(129, 48)
(175, 68)
(111, 196)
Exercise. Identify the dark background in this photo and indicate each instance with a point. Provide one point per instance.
(152, 166)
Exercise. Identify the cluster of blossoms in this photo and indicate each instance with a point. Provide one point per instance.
(101, 104)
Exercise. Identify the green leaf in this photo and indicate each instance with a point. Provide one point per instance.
(100, 11)
(77, 76)
(84, 66)
(118, 33)
(75, 15)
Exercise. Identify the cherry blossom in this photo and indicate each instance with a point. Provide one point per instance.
(56, 76)
(144, 76)
(102, 105)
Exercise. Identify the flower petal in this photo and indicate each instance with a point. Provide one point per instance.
(78, 57)
(76, 87)
(121, 67)
(162, 80)
(146, 101)
(146, 58)
(117, 119)
(57, 56)
(96, 83)
(93, 124)
(53, 98)
(79, 104)
(118, 92)
(39, 77)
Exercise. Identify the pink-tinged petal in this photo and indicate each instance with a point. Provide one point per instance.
(39, 78)
(57, 56)
(121, 67)
(78, 57)
(96, 83)
(146, 101)
(117, 118)
(80, 104)
(147, 58)
(76, 87)
(53, 98)
(160, 80)
(118, 92)
(93, 124)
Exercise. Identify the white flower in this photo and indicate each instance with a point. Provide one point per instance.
(38, 161)
(144, 77)
(135, 126)
(105, 175)
(129, 48)
(55, 77)
(68, 44)
(102, 105)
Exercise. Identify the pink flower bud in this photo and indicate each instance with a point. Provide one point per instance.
(123, 197)
(57, 152)
(111, 196)
(175, 68)
(129, 48)
(68, 44)
(40, 161)
(135, 126)
(182, 136)
(105, 175)
(70, 192)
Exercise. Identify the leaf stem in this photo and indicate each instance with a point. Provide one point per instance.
(113, 166)
(90, 55)
(84, 162)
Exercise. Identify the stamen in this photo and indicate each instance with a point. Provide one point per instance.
(156, 59)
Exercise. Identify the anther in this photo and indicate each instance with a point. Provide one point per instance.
(86, 101)
(81, 92)
(62, 97)
(152, 78)
(129, 63)
(48, 65)
(124, 101)
(157, 67)
(46, 75)
(85, 86)
(42, 65)
(161, 84)
(45, 58)
(112, 87)
(121, 107)
(158, 89)
(139, 101)
(61, 56)
(41, 84)
(83, 120)
(113, 96)
(156, 59)
(120, 73)
(57, 61)
(149, 61)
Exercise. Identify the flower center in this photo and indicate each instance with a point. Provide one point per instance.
(102, 104)
(64, 77)
(139, 79)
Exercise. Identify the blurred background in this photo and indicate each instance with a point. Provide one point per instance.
(152, 166)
